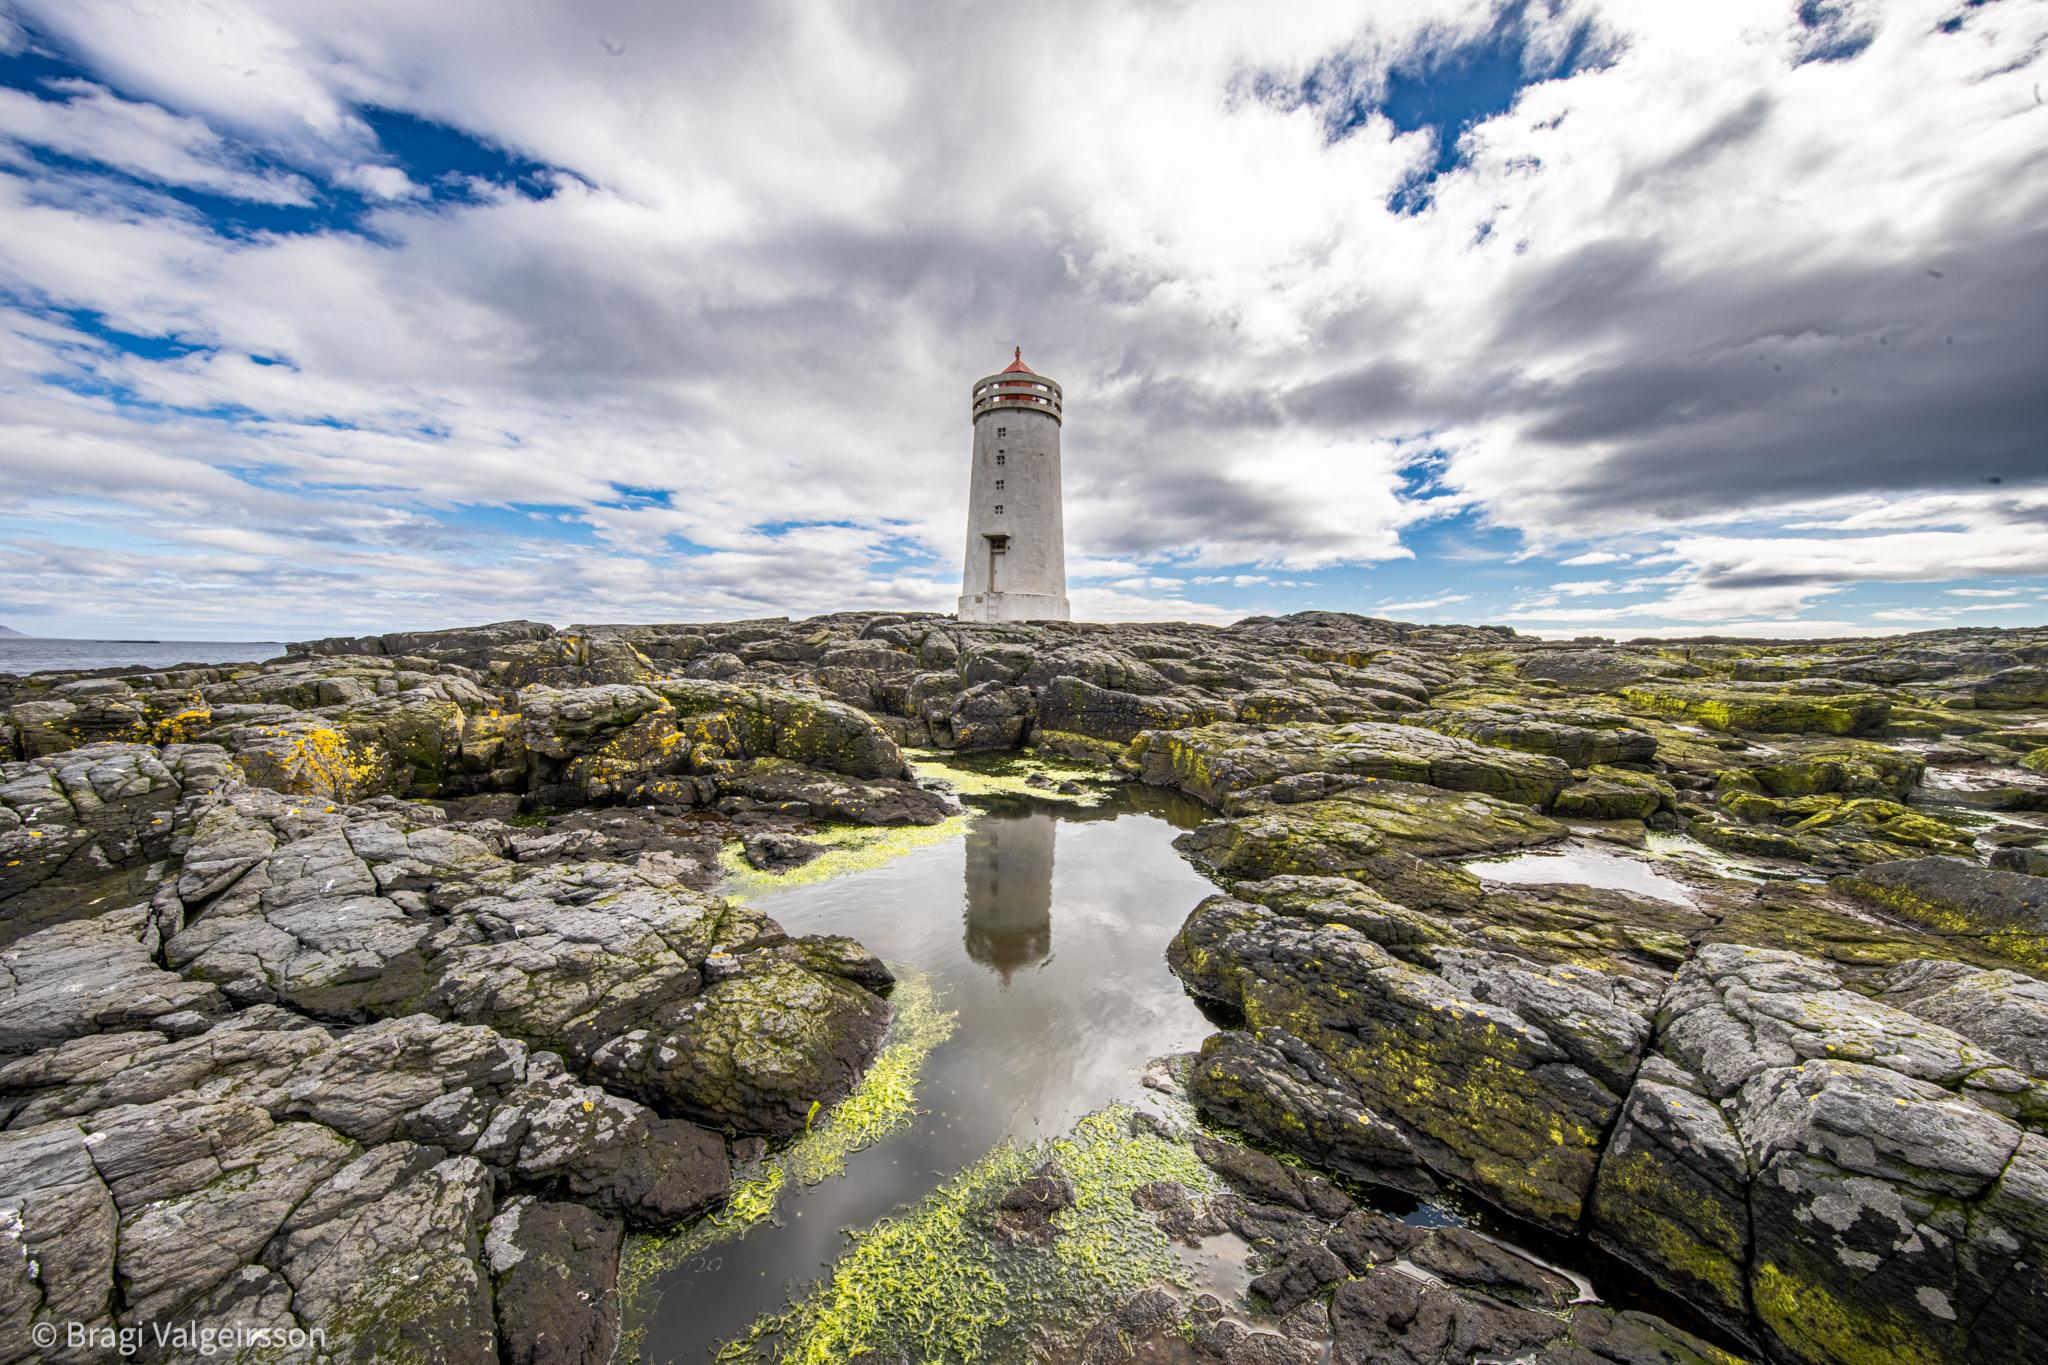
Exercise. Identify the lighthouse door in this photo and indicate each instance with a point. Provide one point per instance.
(998, 546)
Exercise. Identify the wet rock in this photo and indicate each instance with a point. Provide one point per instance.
(762, 1049)
(1851, 768)
(1495, 1095)
(591, 960)
(84, 813)
(1153, 1327)
(806, 793)
(990, 715)
(1876, 1164)
(1363, 833)
(1462, 1257)
(1591, 670)
(1581, 738)
(1299, 1278)
(1281, 1090)
(840, 956)
(1827, 830)
(1022, 1215)
(64, 1226)
(1614, 794)
(1672, 1197)
(387, 1252)
(1363, 1239)
(1387, 1316)
(2010, 689)
(776, 851)
(2001, 1011)
(2007, 912)
(1076, 706)
(1264, 1178)
(552, 1268)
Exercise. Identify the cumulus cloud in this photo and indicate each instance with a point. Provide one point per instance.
(1660, 309)
(387, 183)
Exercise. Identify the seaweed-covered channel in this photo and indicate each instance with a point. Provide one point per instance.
(1041, 930)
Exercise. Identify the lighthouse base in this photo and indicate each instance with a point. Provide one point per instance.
(1015, 606)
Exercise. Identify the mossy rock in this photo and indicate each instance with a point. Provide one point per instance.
(1359, 833)
(2006, 913)
(1218, 762)
(1607, 793)
(1826, 830)
(1857, 769)
(1765, 712)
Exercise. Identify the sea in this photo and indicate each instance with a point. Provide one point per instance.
(37, 655)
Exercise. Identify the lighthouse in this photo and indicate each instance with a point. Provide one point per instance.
(1016, 563)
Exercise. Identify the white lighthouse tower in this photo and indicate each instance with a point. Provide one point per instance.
(1016, 567)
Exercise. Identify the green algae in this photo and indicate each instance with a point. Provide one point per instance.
(1729, 710)
(2014, 943)
(1821, 1326)
(881, 1105)
(1643, 1203)
(848, 849)
(933, 1285)
(1008, 775)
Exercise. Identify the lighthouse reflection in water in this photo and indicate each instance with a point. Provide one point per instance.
(1044, 930)
(1009, 891)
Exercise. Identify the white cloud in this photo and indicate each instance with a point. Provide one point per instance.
(768, 307)
(1741, 629)
(387, 183)
(1423, 604)
(91, 124)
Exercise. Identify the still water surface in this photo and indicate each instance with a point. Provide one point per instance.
(41, 655)
(1045, 930)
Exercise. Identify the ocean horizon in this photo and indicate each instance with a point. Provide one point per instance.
(38, 654)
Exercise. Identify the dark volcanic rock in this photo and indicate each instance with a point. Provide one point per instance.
(2006, 911)
(1023, 1213)
(552, 1268)
(282, 1042)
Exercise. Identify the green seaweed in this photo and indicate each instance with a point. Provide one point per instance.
(848, 849)
(882, 1104)
(1007, 775)
(932, 1285)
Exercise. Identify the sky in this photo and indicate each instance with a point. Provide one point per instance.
(1582, 317)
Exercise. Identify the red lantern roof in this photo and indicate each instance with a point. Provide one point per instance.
(1017, 366)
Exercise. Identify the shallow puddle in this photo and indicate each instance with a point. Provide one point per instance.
(1584, 866)
(1043, 930)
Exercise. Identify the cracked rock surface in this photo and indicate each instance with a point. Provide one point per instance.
(382, 987)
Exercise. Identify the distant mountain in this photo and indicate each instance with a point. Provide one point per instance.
(6, 634)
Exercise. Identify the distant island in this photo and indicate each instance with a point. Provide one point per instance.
(7, 633)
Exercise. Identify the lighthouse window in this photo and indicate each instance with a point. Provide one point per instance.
(1000, 457)
(999, 485)
(1002, 431)
(999, 509)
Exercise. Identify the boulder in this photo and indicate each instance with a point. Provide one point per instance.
(1219, 763)
(552, 1270)
(1482, 1072)
(1762, 710)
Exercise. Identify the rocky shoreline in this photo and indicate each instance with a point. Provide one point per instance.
(381, 988)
